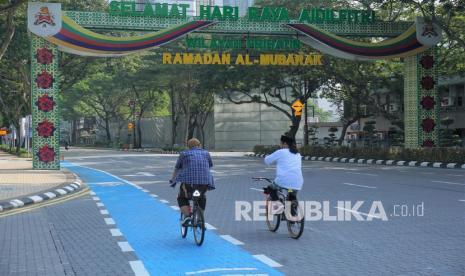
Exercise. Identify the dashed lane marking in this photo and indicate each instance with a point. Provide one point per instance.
(115, 232)
(362, 186)
(174, 207)
(231, 240)
(100, 204)
(209, 226)
(221, 269)
(255, 189)
(164, 201)
(104, 212)
(125, 247)
(357, 212)
(138, 268)
(109, 221)
(447, 182)
(368, 174)
(268, 261)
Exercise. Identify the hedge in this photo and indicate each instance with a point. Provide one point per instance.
(446, 155)
(12, 150)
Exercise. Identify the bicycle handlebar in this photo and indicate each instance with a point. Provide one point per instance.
(262, 178)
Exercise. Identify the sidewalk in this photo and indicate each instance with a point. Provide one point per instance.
(18, 179)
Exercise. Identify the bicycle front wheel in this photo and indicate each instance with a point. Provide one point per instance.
(198, 226)
(272, 220)
(295, 220)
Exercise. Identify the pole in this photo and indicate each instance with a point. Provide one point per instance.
(305, 124)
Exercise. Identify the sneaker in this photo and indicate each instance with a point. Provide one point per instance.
(276, 207)
(186, 221)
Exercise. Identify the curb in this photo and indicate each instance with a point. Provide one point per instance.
(43, 196)
(150, 150)
(401, 163)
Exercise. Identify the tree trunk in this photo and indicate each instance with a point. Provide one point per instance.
(139, 133)
(18, 138)
(174, 121)
(294, 127)
(345, 126)
(107, 130)
(74, 132)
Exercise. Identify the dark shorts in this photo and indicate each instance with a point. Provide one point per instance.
(185, 194)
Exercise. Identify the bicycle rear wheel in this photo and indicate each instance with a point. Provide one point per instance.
(272, 220)
(198, 225)
(183, 228)
(296, 220)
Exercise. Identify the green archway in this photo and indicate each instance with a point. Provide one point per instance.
(325, 30)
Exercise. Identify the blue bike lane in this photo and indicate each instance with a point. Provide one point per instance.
(152, 229)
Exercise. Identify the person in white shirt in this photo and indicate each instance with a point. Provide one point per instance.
(288, 168)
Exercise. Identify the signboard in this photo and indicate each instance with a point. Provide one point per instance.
(223, 13)
(3, 132)
(297, 106)
(242, 59)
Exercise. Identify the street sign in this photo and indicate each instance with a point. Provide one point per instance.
(297, 106)
(130, 125)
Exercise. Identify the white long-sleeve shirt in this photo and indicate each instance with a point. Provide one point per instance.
(288, 168)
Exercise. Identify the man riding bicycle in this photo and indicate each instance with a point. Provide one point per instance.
(192, 170)
(288, 171)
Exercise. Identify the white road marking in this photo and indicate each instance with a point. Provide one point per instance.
(125, 246)
(255, 189)
(447, 182)
(175, 207)
(458, 175)
(357, 212)
(368, 174)
(109, 221)
(96, 198)
(231, 240)
(100, 204)
(266, 260)
(221, 269)
(164, 201)
(145, 174)
(104, 212)
(463, 200)
(115, 232)
(138, 268)
(150, 182)
(153, 195)
(363, 186)
(92, 193)
(144, 190)
(109, 183)
(209, 226)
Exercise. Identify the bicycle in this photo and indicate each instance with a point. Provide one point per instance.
(295, 217)
(197, 221)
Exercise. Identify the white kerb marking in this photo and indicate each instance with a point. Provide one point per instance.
(36, 199)
(125, 247)
(138, 268)
(61, 191)
(115, 232)
(221, 269)
(266, 260)
(232, 240)
(356, 185)
(109, 221)
(447, 182)
(50, 195)
(104, 212)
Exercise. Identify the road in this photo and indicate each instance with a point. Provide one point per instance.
(417, 227)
